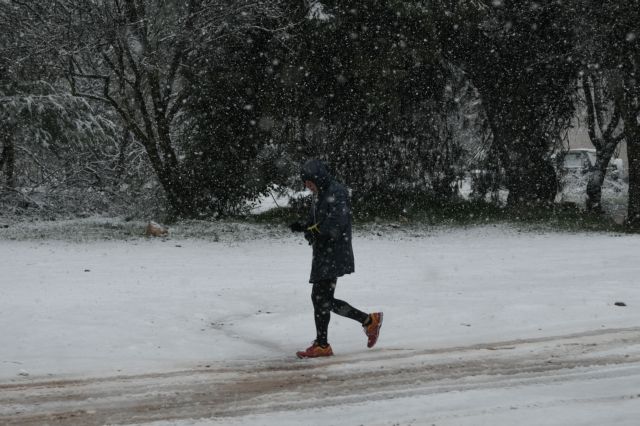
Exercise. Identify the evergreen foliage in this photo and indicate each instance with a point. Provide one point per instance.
(219, 101)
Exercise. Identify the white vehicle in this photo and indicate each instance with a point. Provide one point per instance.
(583, 160)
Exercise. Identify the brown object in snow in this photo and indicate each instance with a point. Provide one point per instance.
(154, 229)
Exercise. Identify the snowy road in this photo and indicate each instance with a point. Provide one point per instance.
(225, 391)
(483, 326)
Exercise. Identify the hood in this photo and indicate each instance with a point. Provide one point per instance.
(316, 171)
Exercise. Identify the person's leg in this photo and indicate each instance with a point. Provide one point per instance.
(344, 309)
(324, 302)
(370, 322)
(321, 296)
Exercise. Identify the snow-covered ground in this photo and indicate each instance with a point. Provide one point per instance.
(614, 194)
(487, 325)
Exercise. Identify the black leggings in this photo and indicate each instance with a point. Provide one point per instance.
(324, 303)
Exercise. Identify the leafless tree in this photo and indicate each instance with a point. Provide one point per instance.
(603, 97)
(129, 55)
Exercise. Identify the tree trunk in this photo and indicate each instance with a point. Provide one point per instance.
(632, 131)
(8, 160)
(9, 167)
(631, 116)
(596, 180)
(594, 188)
(180, 197)
(533, 183)
(530, 178)
(597, 105)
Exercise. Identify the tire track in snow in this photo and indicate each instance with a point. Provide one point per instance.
(241, 388)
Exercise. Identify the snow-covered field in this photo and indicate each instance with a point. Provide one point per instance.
(487, 325)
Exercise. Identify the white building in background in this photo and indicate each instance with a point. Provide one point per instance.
(577, 138)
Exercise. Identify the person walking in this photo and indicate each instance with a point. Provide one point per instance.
(327, 228)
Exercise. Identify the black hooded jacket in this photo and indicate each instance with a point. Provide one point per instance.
(331, 215)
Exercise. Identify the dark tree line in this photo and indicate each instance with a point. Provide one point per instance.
(519, 58)
(225, 98)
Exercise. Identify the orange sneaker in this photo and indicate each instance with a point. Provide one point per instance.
(315, 351)
(373, 329)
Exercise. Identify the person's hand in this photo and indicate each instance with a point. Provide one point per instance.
(310, 237)
(314, 229)
(297, 227)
